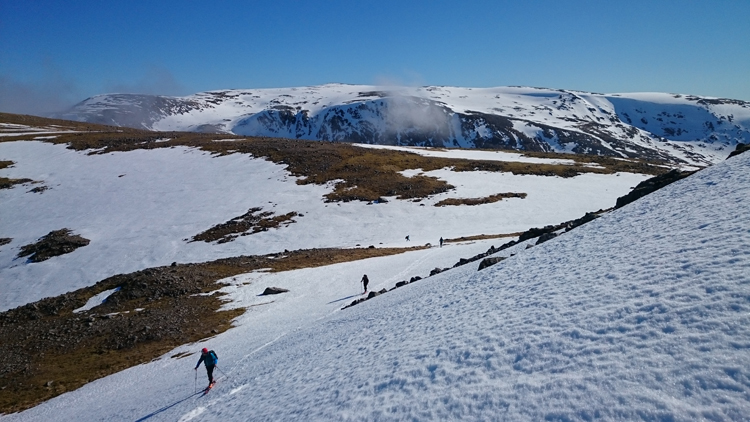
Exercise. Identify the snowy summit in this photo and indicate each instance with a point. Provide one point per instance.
(674, 127)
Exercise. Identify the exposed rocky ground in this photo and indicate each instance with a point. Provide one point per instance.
(48, 348)
(244, 225)
(55, 243)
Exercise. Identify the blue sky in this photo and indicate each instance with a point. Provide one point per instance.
(56, 53)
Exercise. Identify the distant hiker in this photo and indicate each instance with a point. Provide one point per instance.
(407, 237)
(209, 359)
(441, 242)
(365, 280)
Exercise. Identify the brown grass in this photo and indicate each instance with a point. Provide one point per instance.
(47, 349)
(359, 174)
(246, 224)
(6, 183)
(479, 201)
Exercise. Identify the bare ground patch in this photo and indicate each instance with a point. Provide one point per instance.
(55, 243)
(48, 350)
(479, 201)
(244, 225)
(6, 183)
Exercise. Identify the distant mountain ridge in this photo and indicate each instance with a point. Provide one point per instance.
(671, 127)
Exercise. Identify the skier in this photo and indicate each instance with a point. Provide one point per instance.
(407, 237)
(441, 242)
(209, 359)
(365, 280)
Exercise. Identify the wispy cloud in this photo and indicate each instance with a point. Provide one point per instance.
(157, 80)
(52, 93)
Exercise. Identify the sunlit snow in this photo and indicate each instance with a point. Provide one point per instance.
(642, 314)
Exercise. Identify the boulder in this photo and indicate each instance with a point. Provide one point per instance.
(486, 262)
(739, 150)
(545, 237)
(273, 291)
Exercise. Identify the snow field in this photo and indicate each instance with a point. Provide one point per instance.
(138, 207)
(642, 314)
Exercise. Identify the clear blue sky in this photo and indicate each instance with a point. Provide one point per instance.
(55, 53)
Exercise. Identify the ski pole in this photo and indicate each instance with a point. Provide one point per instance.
(223, 373)
(195, 384)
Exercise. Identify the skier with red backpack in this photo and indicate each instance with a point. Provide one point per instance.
(209, 358)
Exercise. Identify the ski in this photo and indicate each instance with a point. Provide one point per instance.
(210, 386)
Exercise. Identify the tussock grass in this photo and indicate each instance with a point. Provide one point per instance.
(479, 201)
(48, 350)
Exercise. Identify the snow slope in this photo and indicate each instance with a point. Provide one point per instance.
(692, 129)
(139, 207)
(643, 314)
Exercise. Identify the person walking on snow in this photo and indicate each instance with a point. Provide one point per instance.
(365, 280)
(209, 359)
(441, 242)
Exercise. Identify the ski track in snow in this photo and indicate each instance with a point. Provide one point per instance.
(642, 314)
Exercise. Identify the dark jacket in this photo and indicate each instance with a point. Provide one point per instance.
(209, 359)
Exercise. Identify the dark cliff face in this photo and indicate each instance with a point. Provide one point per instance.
(671, 128)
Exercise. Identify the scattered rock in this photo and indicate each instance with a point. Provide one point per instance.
(650, 185)
(273, 291)
(486, 262)
(545, 237)
(739, 150)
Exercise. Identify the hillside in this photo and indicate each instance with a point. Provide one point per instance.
(161, 217)
(638, 315)
(684, 129)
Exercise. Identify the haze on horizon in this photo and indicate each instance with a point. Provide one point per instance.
(53, 55)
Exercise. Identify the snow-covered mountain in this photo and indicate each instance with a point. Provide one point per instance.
(677, 128)
(642, 314)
